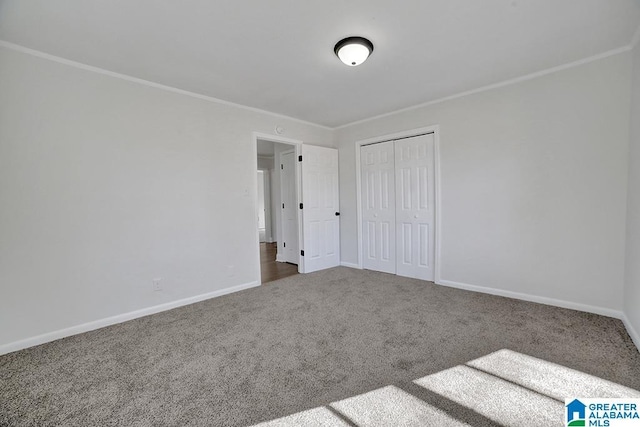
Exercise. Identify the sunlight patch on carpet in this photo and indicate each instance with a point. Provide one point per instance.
(510, 388)
(390, 406)
(556, 381)
(501, 401)
(317, 417)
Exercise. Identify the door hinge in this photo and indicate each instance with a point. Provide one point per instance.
(283, 206)
(284, 244)
(282, 166)
(300, 205)
(300, 158)
(302, 253)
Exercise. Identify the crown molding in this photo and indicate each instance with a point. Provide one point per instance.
(75, 64)
(495, 85)
(33, 52)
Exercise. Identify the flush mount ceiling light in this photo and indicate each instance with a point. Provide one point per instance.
(353, 50)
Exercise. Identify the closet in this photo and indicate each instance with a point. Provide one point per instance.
(398, 206)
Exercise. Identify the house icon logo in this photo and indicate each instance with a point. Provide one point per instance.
(576, 413)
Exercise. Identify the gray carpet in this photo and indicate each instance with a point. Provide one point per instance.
(294, 345)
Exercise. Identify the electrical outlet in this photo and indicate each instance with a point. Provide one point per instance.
(156, 284)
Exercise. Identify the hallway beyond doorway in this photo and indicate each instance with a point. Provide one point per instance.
(271, 270)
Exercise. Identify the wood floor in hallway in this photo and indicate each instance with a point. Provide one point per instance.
(270, 269)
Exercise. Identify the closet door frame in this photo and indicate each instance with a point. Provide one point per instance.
(435, 129)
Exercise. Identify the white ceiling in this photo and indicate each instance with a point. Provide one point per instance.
(277, 55)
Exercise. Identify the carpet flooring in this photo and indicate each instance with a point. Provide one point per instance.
(297, 344)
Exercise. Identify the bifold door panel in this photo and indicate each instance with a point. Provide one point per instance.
(414, 160)
(378, 207)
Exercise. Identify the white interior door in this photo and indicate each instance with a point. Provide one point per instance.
(289, 217)
(320, 198)
(415, 210)
(378, 207)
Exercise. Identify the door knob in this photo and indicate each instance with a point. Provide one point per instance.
(337, 213)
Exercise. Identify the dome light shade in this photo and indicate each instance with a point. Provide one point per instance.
(353, 50)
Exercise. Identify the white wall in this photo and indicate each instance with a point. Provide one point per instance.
(266, 165)
(632, 265)
(106, 184)
(534, 178)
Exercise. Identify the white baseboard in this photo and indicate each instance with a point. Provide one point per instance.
(534, 298)
(635, 336)
(101, 323)
(350, 265)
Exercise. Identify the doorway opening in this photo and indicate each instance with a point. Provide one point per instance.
(276, 202)
(304, 203)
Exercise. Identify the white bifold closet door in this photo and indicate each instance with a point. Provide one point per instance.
(378, 207)
(398, 206)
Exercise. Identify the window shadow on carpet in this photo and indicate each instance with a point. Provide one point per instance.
(502, 388)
